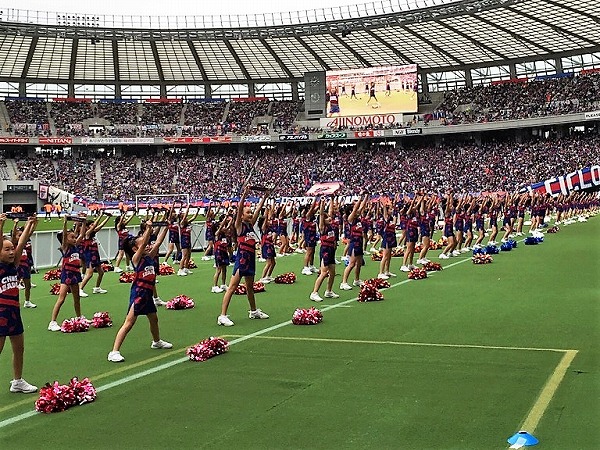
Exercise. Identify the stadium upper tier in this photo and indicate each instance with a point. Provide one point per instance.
(436, 35)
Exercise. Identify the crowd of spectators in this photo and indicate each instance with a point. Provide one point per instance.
(27, 118)
(241, 114)
(118, 113)
(381, 168)
(284, 114)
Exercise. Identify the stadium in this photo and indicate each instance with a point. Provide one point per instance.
(393, 108)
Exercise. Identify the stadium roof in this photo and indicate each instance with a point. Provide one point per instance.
(437, 35)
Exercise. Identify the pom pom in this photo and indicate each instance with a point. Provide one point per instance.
(127, 277)
(512, 243)
(417, 274)
(240, 290)
(377, 256)
(207, 348)
(311, 316)
(101, 320)
(180, 302)
(286, 278)
(397, 252)
(482, 258)
(378, 283)
(59, 397)
(165, 269)
(530, 240)
(432, 267)
(492, 250)
(506, 247)
(53, 274)
(554, 229)
(107, 267)
(84, 390)
(55, 288)
(192, 264)
(433, 245)
(369, 293)
(418, 248)
(258, 287)
(75, 325)
(478, 251)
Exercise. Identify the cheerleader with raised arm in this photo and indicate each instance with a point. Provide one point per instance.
(468, 228)
(267, 243)
(412, 232)
(329, 238)
(185, 235)
(92, 255)
(493, 215)
(388, 241)
(282, 231)
(245, 261)
(222, 243)
(122, 234)
(174, 247)
(355, 245)
(427, 218)
(209, 233)
(448, 226)
(24, 266)
(310, 239)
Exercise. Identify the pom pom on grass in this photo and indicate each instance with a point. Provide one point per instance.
(180, 302)
(127, 277)
(311, 316)
(55, 288)
(432, 267)
(417, 274)
(286, 278)
(101, 320)
(482, 258)
(369, 293)
(75, 325)
(165, 269)
(207, 348)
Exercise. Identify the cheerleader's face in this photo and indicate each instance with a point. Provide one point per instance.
(247, 214)
(7, 253)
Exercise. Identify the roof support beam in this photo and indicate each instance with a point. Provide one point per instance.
(474, 41)
(516, 36)
(364, 62)
(434, 46)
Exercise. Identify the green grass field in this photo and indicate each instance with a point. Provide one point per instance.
(461, 360)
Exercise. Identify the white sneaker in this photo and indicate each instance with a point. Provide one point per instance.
(337, 261)
(115, 357)
(261, 259)
(465, 250)
(331, 294)
(383, 276)
(159, 301)
(345, 258)
(404, 269)
(421, 261)
(118, 270)
(161, 344)
(345, 287)
(224, 287)
(82, 294)
(444, 256)
(28, 304)
(205, 258)
(313, 269)
(216, 290)
(358, 283)
(21, 286)
(129, 268)
(23, 386)
(188, 271)
(265, 280)
(258, 314)
(181, 273)
(225, 321)
(391, 275)
(53, 326)
(99, 290)
(306, 271)
(33, 285)
(315, 297)
(411, 266)
(455, 253)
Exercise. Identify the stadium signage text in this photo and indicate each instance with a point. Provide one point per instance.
(360, 121)
(369, 133)
(293, 137)
(14, 140)
(578, 180)
(100, 141)
(55, 141)
(196, 140)
(592, 115)
(339, 135)
(407, 131)
(258, 138)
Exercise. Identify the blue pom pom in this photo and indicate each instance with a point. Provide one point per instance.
(506, 247)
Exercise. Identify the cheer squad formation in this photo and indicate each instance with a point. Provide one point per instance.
(379, 226)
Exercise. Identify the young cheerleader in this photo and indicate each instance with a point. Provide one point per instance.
(122, 233)
(355, 245)
(222, 242)
(174, 239)
(448, 227)
(185, 233)
(11, 325)
(310, 239)
(141, 296)
(412, 232)
(245, 261)
(267, 241)
(92, 255)
(426, 226)
(388, 241)
(209, 234)
(70, 272)
(24, 267)
(327, 253)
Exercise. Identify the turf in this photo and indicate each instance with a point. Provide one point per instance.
(454, 361)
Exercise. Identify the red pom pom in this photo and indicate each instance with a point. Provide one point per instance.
(397, 252)
(240, 290)
(101, 320)
(84, 390)
(482, 258)
(417, 274)
(192, 264)
(432, 267)
(165, 269)
(75, 325)
(107, 267)
(180, 302)
(53, 274)
(311, 316)
(378, 283)
(369, 293)
(127, 277)
(258, 287)
(377, 256)
(207, 348)
(59, 397)
(55, 288)
(286, 278)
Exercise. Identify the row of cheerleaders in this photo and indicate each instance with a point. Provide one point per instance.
(384, 227)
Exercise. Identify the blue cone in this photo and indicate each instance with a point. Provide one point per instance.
(523, 438)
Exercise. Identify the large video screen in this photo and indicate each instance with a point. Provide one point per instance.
(371, 90)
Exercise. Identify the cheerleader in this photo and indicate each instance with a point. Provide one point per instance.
(448, 227)
(426, 226)
(185, 233)
(70, 271)
(355, 245)
(11, 325)
(310, 239)
(521, 206)
(282, 231)
(92, 255)
(222, 243)
(143, 258)
(122, 233)
(459, 226)
(327, 253)
(24, 267)
(269, 229)
(388, 241)
(174, 240)
(468, 228)
(493, 215)
(209, 234)
(412, 233)
(479, 211)
(245, 261)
